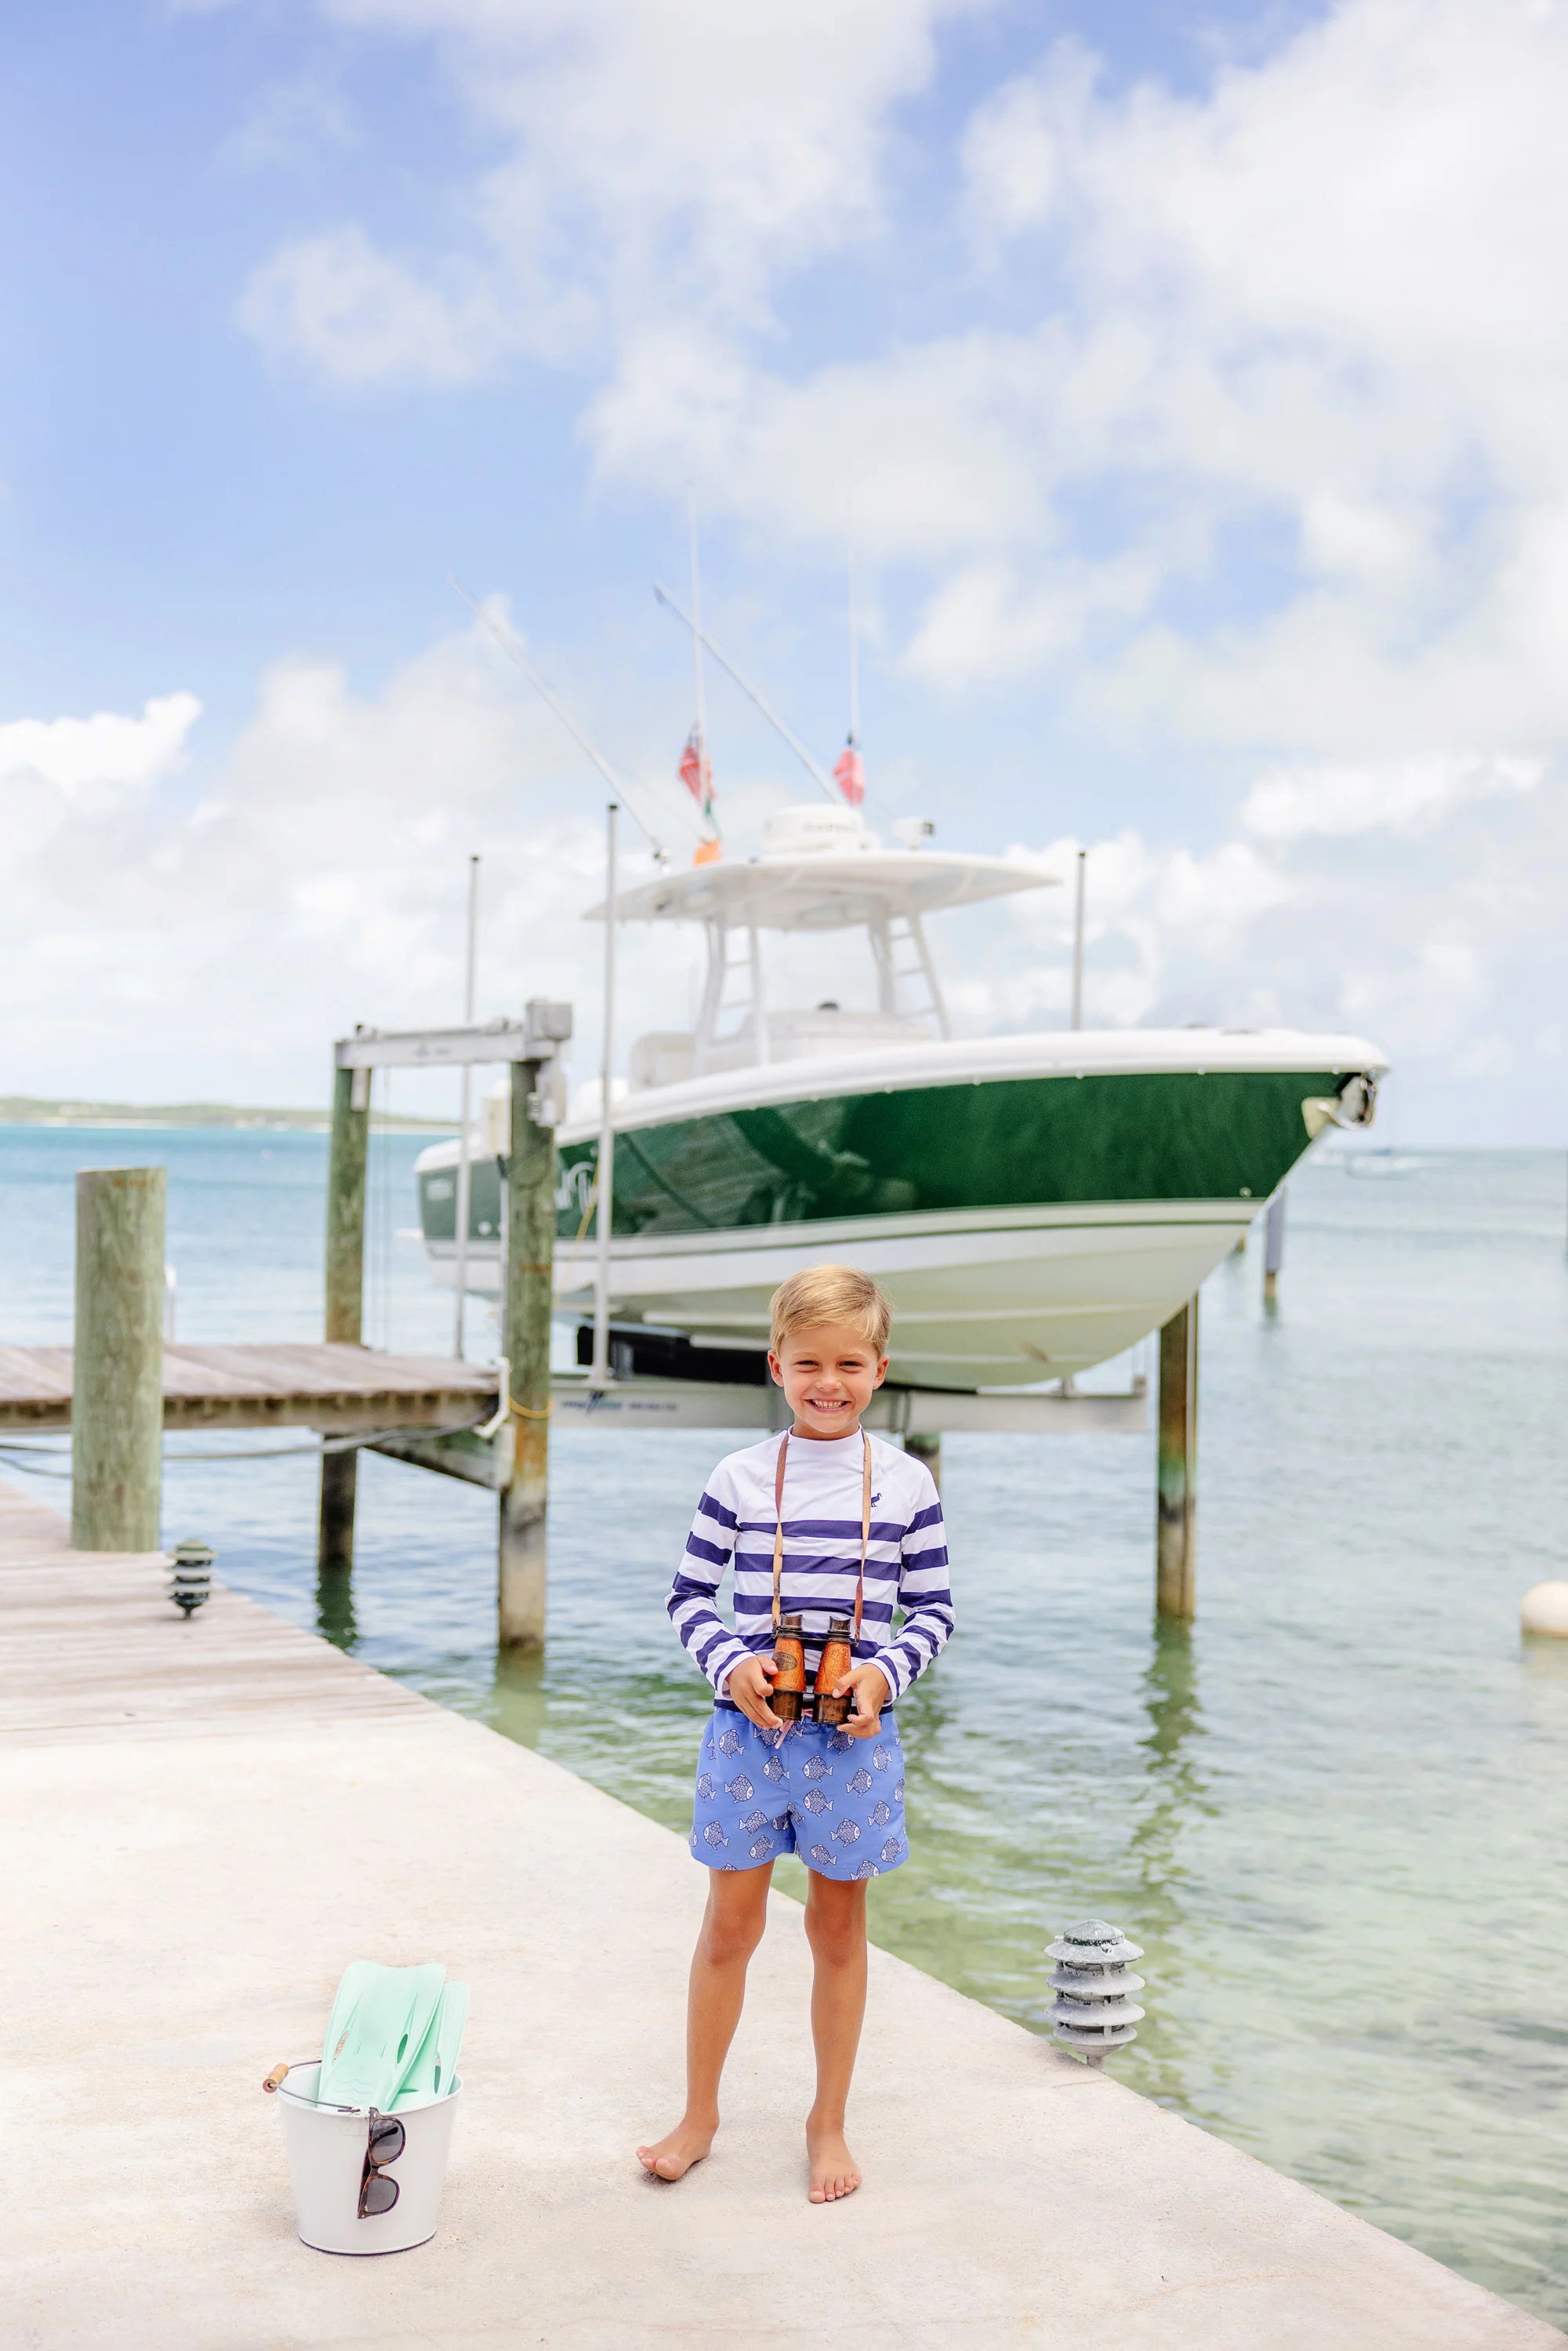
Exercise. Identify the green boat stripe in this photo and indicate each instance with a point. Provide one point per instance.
(952, 1150)
(624, 1143)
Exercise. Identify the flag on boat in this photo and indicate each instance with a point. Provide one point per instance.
(849, 775)
(696, 774)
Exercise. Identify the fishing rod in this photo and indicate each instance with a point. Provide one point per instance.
(746, 688)
(512, 645)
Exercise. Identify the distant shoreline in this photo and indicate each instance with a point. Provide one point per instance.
(26, 1110)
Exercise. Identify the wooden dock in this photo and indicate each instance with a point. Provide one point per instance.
(201, 1822)
(344, 1389)
(340, 1389)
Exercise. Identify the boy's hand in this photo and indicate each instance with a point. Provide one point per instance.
(869, 1684)
(750, 1686)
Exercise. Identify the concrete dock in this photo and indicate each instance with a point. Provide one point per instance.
(200, 1822)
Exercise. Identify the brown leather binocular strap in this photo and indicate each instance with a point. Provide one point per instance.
(865, 1531)
(778, 1528)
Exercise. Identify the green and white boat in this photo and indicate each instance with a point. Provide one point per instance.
(1033, 1204)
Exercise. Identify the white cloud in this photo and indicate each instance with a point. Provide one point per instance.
(82, 757)
(1339, 265)
(314, 870)
(335, 303)
(290, 126)
(1342, 799)
(1268, 443)
(986, 623)
(1313, 307)
(213, 938)
(663, 155)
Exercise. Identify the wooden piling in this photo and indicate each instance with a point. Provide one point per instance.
(929, 1451)
(531, 1281)
(1177, 1469)
(347, 1162)
(117, 1403)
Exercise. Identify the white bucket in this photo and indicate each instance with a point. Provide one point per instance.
(326, 2161)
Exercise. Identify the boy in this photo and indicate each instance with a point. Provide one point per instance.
(823, 1522)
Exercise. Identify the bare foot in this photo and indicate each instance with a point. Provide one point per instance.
(672, 2157)
(834, 2171)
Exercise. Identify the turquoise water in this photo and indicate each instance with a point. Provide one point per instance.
(1335, 1813)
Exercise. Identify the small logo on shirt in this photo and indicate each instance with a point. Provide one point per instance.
(876, 1498)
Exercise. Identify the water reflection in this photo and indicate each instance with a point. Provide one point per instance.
(1173, 1796)
(1176, 1784)
(335, 1619)
(519, 1704)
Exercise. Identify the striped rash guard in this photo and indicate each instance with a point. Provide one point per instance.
(907, 1558)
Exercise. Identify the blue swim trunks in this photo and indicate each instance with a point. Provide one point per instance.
(836, 1802)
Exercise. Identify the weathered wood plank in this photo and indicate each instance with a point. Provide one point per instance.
(338, 1387)
(90, 1646)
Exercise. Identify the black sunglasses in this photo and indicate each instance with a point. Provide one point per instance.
(384, 2143)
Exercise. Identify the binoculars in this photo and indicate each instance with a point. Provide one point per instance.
(790, 1699)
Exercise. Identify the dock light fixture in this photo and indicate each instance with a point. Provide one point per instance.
(1093, 2009)
(191, 1575)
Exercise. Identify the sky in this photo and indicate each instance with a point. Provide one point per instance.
(1182, 388)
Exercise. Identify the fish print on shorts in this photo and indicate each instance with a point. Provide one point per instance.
(785, 1794)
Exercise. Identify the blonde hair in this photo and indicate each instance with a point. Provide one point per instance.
(831, 1293)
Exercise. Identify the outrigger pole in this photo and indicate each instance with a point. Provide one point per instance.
(517, 653)
(605, 1173)
(746, 688)
(697, 632)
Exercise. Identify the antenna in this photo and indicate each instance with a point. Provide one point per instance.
(746, 688)
(854, 650)
(517, 653)
(698, 630)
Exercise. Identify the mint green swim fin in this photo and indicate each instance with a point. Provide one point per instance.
(378, 2023)
(434, 2069)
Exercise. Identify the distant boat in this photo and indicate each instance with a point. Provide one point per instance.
(1377, 1166)
(1032, 1204)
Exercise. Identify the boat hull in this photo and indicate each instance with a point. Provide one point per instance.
(1026, 1228)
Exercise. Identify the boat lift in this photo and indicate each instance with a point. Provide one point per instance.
(507, 1451)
